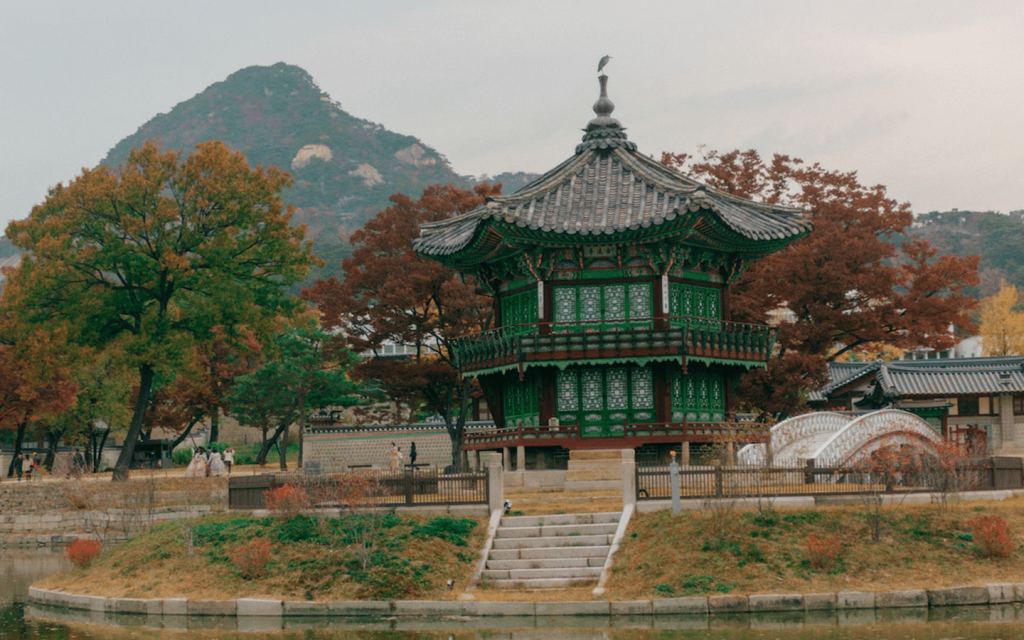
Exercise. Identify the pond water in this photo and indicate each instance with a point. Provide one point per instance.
(18, 568)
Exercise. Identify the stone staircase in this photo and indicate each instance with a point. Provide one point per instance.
(598, 470)
(551, 551)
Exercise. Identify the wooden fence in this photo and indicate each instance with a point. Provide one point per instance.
(367, 488)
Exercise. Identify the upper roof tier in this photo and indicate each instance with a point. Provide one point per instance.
(609, 189)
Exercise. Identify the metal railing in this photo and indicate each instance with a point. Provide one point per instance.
(545, 341)
(654, 482)
(373, 488)
(685, 431)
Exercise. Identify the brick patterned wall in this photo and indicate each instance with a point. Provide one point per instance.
(339, 451)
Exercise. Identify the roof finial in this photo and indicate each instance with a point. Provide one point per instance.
(603, 107)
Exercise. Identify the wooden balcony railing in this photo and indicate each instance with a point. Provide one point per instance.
(697, 337)
(735, 432)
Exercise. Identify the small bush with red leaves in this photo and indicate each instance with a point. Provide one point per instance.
(992, 537)
(251, 558)
(286, 501)
(823, 552)
(81, 553)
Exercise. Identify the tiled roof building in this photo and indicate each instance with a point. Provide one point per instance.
(610, 275)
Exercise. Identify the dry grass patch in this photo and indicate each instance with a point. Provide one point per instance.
(825, 549)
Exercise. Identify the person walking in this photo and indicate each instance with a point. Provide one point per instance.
(394, 457)
(78, 463)
(26, 467)
(412, 455)
(35, 467)
(229, 458)
(18, 462)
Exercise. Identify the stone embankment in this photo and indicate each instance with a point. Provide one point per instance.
(54, 512)
(280, 610)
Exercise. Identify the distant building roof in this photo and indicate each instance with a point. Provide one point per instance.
(944, 377)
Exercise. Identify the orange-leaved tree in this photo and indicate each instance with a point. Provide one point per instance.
(850, 284)
(145, 260)
(393, 295)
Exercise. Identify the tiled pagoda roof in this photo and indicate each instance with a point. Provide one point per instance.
(609, 188)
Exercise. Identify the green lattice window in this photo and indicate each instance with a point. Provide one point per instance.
(603, 305)
(602, 400)
(519, 311)
(522, 403)
(699, 396)
(695, 301)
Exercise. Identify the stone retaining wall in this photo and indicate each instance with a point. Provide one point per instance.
(23, 498)
(274, 612)
(108, 525)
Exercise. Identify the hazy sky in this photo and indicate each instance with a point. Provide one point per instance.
(924, 97)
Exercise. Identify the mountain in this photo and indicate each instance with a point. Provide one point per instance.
(344, 167)
(997, 237)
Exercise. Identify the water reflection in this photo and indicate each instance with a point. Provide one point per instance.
(18, 568)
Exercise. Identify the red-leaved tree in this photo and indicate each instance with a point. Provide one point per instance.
(392, 295)
(854, 281)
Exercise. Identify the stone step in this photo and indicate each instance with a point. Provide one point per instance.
(556, 530)
(555, 541)
(594, 485)
(560, 519)
(582, 465)
(604, 473)
(543, 583)
(550, 563)
(596, 454)
(571, 573)
(548, 553)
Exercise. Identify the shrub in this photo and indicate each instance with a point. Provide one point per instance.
(81, 553)
(251, 558)
(992, 537)
(823, 552)
(454, 530)
(286, 501)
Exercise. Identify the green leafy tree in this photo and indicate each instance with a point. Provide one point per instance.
(307, 373)
(145, 261)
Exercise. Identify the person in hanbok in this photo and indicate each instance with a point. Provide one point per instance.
(197, 468)
(216, 463)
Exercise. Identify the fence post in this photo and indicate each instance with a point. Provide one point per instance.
(809, 471)
(673, 479)
(407, 482)
(628, 478)
(719, 473)
(495, 481)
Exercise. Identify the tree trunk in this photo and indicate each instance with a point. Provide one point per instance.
(184, 434)
(282, 448)
(124, 461)
(456, 425)
(268, 444)
(51, 449)
(97, 449)
(19, 438)
(302, 425)
(214, 426)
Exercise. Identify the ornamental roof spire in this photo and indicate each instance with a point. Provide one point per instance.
(604, 131)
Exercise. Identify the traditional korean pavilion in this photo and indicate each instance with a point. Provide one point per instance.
(610, 275)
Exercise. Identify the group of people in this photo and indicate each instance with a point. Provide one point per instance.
(396, 458)
(209, 462)
(27, 465)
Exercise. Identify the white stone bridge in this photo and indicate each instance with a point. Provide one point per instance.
(835, 439)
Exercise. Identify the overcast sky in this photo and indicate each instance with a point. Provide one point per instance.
(924, 97)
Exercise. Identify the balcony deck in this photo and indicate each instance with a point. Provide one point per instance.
(568, 436)
(520, 346)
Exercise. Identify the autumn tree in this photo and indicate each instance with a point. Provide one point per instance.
(847, 286)
(392, 295)
(1002, 323)
(144, 261)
